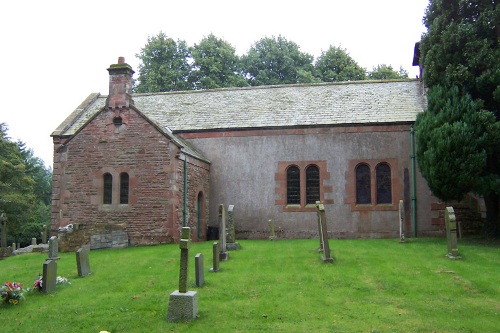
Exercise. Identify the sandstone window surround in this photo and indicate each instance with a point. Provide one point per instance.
(372, 184)
(299, 184)
(115, 189)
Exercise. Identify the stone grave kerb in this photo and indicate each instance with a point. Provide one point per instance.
(320, 232)
(326, 245)
(451, 233)
(222, 233)
(401, 220)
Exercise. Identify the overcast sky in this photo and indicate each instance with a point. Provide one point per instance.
(55, 53)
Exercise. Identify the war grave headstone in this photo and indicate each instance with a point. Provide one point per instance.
(183, 304)
(324, 234)
(451, 233)
(53, 248)
(231, 243)
(199, 272)
(222, 233)
(49, 276)
(272, 233)
(82, 261)
(216, 257)
(401, 220)
(5, 250)
(320, 232)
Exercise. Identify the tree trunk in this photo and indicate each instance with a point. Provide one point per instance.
(492, 203)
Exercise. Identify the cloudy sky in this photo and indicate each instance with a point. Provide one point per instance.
(55, 53)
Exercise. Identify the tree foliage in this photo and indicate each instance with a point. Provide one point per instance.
(164, 65)
(25, 189)
(215, 65)
(275, 60)
(337, 65)
(459, 134)
(386, 72)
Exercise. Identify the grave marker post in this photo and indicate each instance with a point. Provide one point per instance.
(326, 245)
(198, 270)
(401, 218)
(222, 233)
(271, 230)
(216, 257)
(320, 248)
(3, 221)
(451, 232)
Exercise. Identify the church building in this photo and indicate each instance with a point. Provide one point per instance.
(132, 169)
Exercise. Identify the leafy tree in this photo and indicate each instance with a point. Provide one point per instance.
(337, 65)
(386, 72)
(215, 65)
(459, 135)
(164, 65)
(274, 60)
(25, 189)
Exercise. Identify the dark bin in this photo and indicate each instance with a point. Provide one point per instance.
(213, 233)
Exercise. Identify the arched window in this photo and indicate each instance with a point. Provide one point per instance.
(383, 177)
(312, 184)
(107, 194)
(124, 185)
(363, 186)
(293, 185)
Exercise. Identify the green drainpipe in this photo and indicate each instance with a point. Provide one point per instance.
(413, 183)
(184, 224)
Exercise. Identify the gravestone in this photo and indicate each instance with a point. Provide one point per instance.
(231, 243)
(401, 218)
(43, 234)
(216, 257)
(3, 221)
(451, 233)
(272, 235)
(183, 304)
(199, 273)
(324, 234)
(49, 276)
(53, 248)
(320, 232)
(222, 233)
(82, 261)
(33, 241)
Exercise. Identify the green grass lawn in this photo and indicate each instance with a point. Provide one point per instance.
(280, 286)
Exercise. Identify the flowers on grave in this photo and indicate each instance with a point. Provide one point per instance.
(38, 284)
(12, 293)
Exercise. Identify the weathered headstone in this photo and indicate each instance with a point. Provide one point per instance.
(183, 304)
(324, 234)
(222, 233)
(53, 248)
(82, 261)
(231, 243)
(199, 273)
(216, 257)
(272, 234)
(43, 234)
(401, 218)
(451, 233)
(3, 221)
(320, 232)
(49, 276)
(33, 241)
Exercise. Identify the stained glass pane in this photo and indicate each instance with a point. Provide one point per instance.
(312, 184)
(108, 189)
(363, 187)
(293, 186)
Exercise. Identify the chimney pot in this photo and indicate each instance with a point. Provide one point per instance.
(121, 60)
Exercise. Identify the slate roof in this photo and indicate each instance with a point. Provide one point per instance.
(358, 102)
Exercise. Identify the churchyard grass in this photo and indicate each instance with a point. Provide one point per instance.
(279, 286)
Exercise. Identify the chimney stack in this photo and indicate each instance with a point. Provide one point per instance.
(120, 85)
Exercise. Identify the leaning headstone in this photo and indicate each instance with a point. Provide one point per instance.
(53, 248)
(401, 218)
(183, 304)
(82, 261)
(231, 243)
(451, 233)
(222, 233)
(199, 273)
(324, 234)
(320, 232)
(49, 276)
(216, 257)
(3, 221)
(272, 234)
